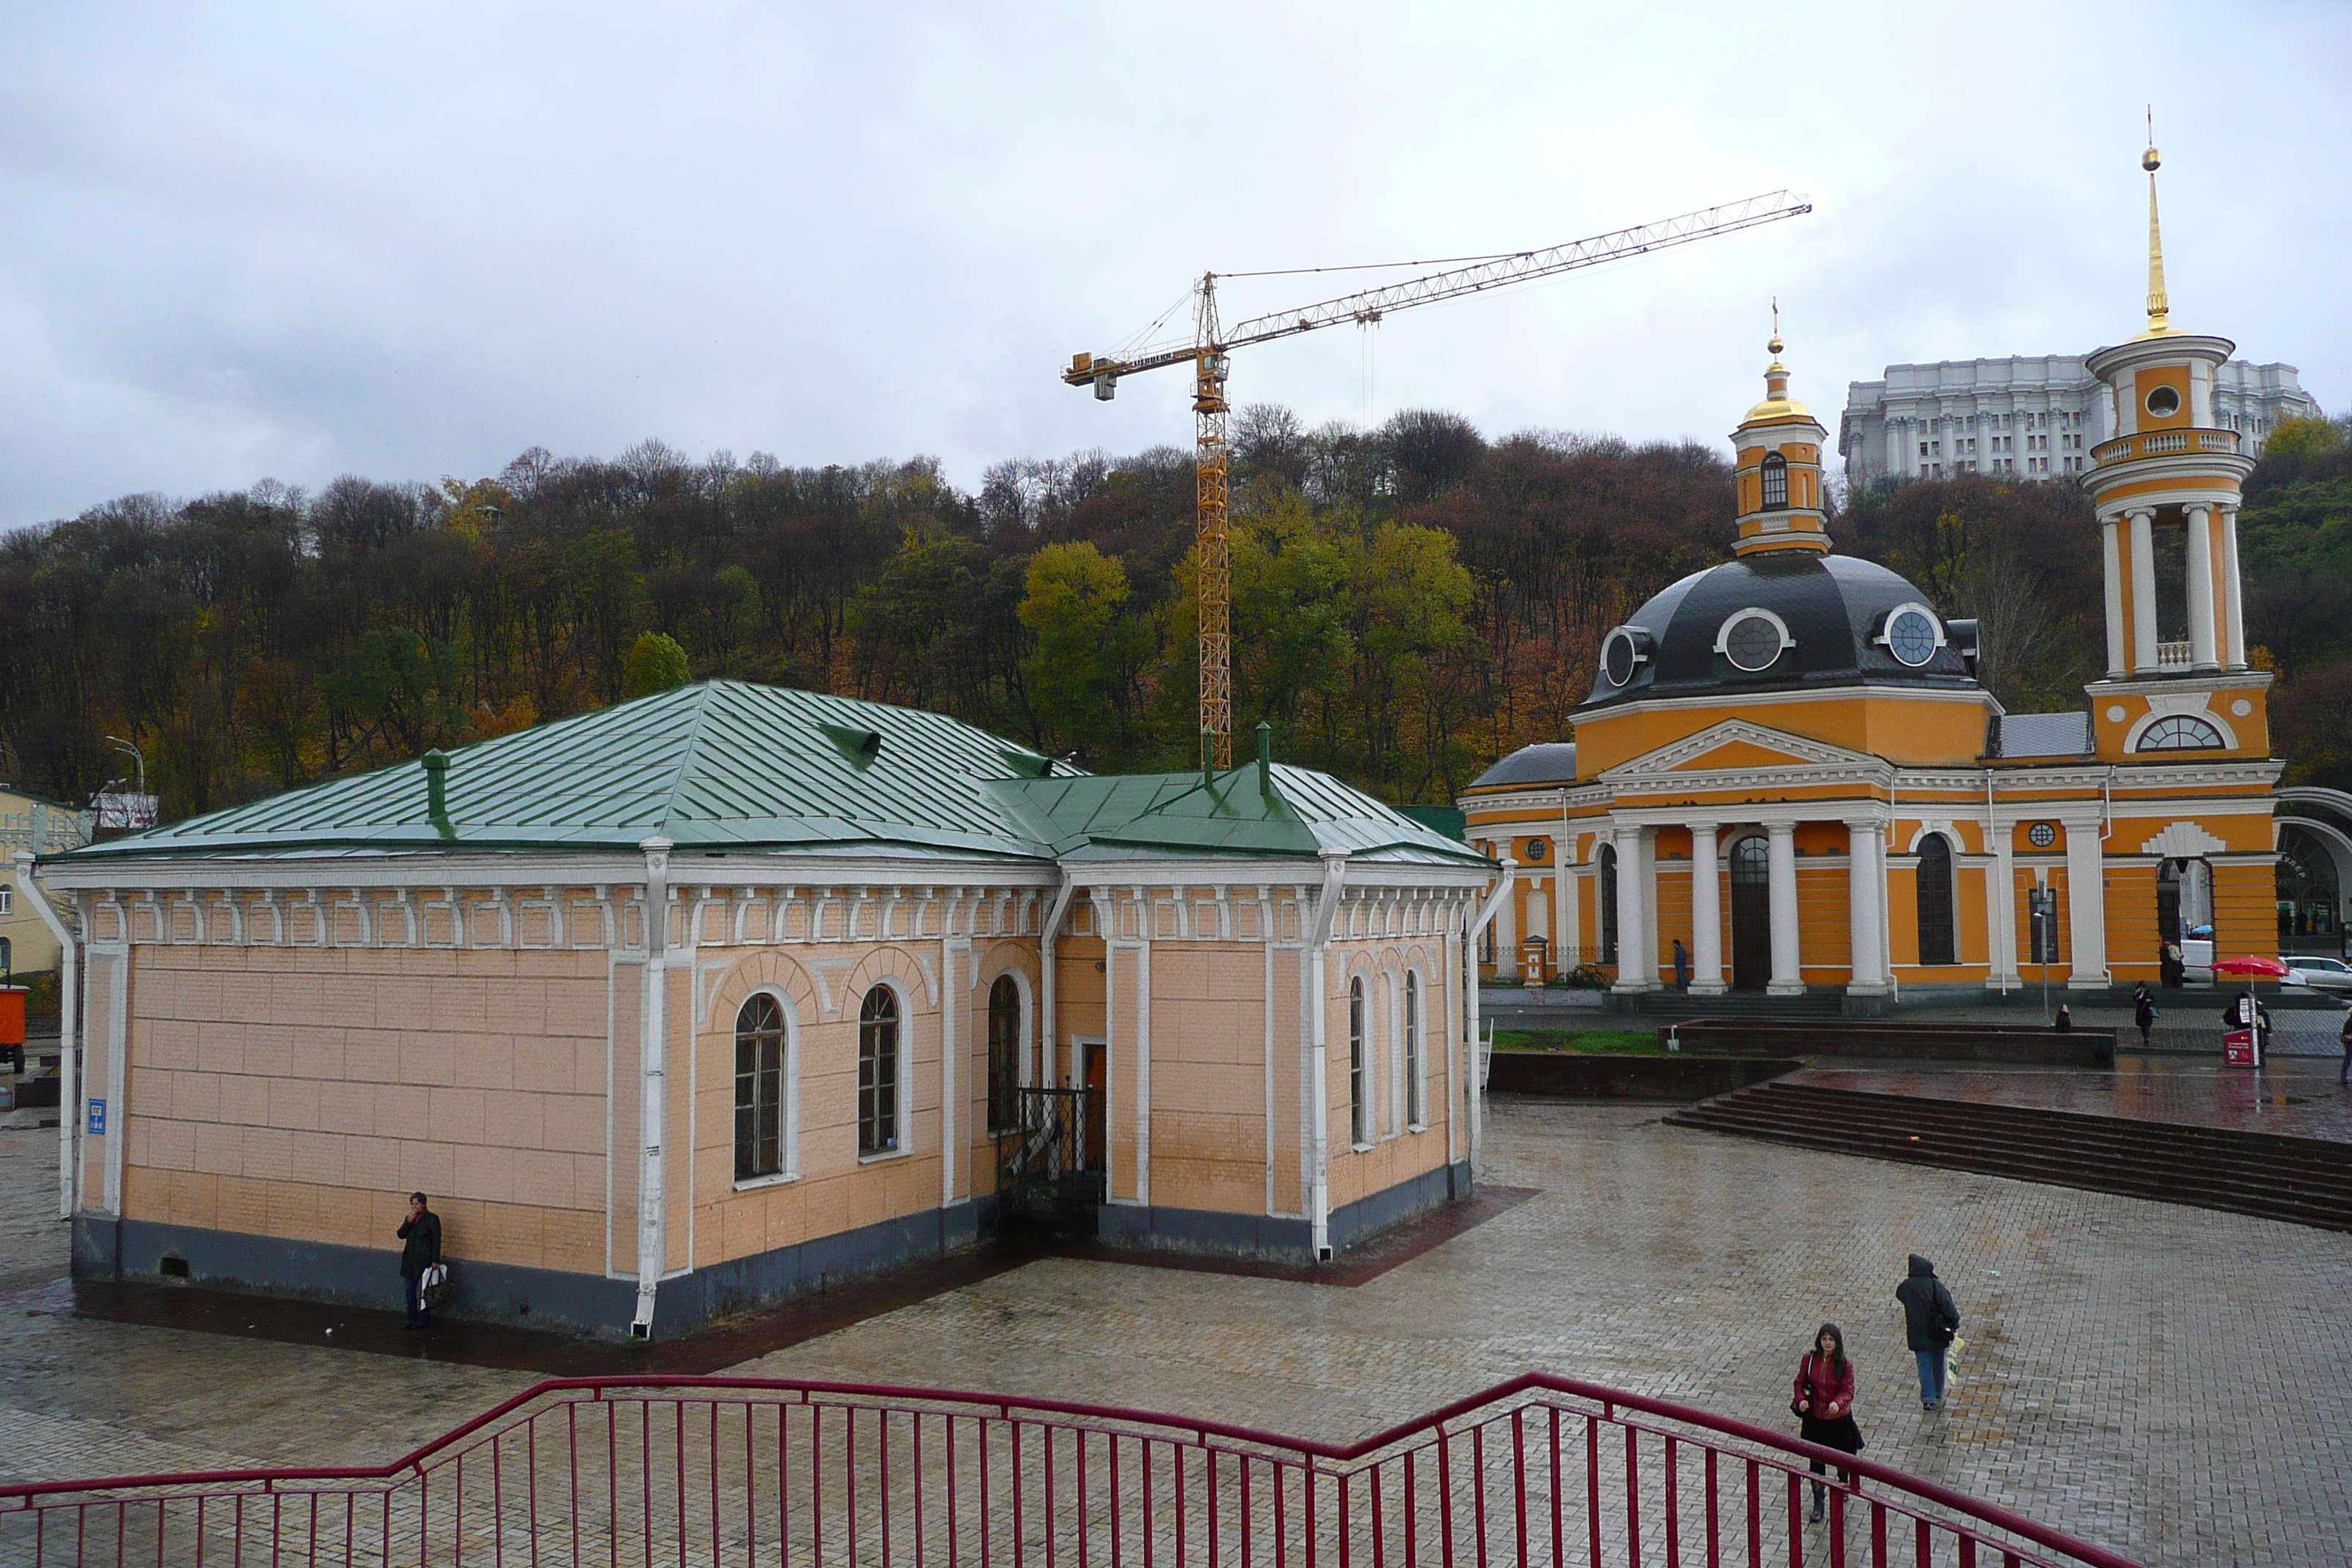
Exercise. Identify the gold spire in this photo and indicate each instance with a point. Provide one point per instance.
(1776, 403)
(2158, 309)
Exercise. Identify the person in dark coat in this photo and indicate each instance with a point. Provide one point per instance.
(2344, 1037)
(2143, 1012)
(2065, 1020)
(420, 1236)
(2171, 968)
(1825, 1403)
(1682, 965)
(1931, 1318)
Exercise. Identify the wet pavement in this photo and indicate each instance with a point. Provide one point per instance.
(2164, 1380)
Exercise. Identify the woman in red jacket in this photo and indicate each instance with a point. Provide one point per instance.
(1824, 1400)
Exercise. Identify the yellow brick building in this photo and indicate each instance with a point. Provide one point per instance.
(1788, 766)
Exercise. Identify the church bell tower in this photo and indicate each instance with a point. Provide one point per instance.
(2166, 485)
(1779, 467)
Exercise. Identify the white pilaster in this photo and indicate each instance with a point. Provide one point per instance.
(2086, 907)
(1706, 912)
(1649, 909)
(2000, 908)
(2202, 606)
(1866, 922)
(1507, 939)
(2233, 607)
(2110, 531)
(1780, 870)
(2143, 575)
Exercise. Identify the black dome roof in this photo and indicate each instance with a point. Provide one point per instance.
(1834, 608)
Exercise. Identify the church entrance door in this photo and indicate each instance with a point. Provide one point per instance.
(1752, 914)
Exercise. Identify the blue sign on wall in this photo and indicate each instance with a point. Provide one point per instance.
(96, 1116)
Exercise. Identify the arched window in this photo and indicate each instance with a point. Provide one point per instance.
(1003, 1054)
(1415, 1115)
(759, 1089)
(878, 1072)
(1358, 1113)
(2179, 733)
(1607, 859)
(1776, 481)
(1935, 885)
(1751, 862)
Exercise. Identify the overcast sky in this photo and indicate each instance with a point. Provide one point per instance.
(296, 241)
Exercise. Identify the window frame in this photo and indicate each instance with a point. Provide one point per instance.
(871, 1109)
(1416, 1053)
(787, 1091)
(1359, 1108)
(1772, 474)
(2180, 722)
(1945, 907)
(1740, 617)
(1005, 1079)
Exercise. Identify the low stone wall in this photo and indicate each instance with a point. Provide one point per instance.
(1564, 1075)
(1879, 1040)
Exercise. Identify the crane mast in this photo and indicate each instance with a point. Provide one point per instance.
(1209, 353)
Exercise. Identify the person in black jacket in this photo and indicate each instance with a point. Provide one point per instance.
(2143, 1012)
(420, 1234)
(1929, 1321)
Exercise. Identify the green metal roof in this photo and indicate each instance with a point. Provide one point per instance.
(730, 765)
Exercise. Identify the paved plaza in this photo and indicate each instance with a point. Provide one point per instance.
(2167, 1380)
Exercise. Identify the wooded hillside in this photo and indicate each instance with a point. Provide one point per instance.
(1410, 602)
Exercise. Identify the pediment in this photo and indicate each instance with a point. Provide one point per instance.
(1735, 745)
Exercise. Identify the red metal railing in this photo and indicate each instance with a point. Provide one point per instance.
(710, 1472)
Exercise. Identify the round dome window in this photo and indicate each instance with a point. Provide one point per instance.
(1912, 636)
(2164, 401)
(1753, 639)
(1620, 655)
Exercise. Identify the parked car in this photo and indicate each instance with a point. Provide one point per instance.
(2319, 973)
(2197, 949)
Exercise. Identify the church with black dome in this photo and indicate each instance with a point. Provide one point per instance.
(1788, 770)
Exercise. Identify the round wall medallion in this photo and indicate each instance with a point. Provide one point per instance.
(2242, 707)
(2041, 835)
(2114, 713)
(1536, 850)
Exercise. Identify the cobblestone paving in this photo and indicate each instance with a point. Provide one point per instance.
(2296, 1096)
(2164, 1380)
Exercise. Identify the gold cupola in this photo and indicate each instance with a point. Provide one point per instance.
(1778, 470)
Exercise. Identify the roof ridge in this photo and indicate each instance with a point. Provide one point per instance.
(690, 751)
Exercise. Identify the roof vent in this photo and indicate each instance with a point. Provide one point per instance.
(860, 746)
(436, 793)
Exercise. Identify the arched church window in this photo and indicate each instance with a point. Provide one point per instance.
(1359, 1108)
(1607, 859)
(1776, 481)
(1003, 1054)
(1935, 887)
(1751, 861)
(878, 1072)
(2179, 732)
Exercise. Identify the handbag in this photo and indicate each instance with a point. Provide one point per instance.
(1805, 1373)
(433, 1285)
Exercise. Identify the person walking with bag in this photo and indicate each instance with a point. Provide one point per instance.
(420, 1234)
(2143, 1012)
(1824, 1403)
(1931, 1318)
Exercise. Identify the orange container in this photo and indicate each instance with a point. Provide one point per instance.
(11, 1015)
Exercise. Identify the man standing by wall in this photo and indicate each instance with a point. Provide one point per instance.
(421, 1235)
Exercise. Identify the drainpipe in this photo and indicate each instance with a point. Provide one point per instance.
(70, 1117)
(1474, 1095)
(653, 1231)
(1049, 1020)
(1327, 909)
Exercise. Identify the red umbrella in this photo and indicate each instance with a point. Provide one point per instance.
(2266, 968)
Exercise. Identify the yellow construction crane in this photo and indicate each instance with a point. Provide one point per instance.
(1211, 345)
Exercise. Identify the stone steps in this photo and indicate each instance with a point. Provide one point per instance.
(2301, 1181)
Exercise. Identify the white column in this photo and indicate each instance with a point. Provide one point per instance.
(1706, 913)
(1865, 884)
(2000, 908)
(1507, 936)
(2086, 907)
(1650, 906)
(1780, 868)
(2143, 575)
(2233, 607)
(2110, 529)
(1566, 937)
(2203, 607)
(1633, 971)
